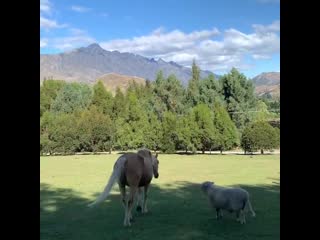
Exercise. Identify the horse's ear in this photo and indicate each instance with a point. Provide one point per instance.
(156, 155)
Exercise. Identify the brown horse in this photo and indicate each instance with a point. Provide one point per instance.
(135, 170)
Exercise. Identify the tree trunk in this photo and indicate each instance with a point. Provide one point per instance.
(221, 151)
(262, 151)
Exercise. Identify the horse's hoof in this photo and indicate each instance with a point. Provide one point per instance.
(139, 209)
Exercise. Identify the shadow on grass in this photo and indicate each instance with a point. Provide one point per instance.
(177, 211)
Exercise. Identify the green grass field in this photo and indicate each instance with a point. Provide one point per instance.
(178, 209)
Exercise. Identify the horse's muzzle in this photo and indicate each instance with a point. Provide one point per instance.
(156, 175)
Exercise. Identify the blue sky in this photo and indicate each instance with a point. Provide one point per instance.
(218, 34)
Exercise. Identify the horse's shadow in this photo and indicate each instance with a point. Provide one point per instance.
(176, 211)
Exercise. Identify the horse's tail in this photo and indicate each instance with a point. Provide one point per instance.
(112, 180)
(248, 203)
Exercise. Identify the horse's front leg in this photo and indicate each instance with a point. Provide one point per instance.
(139, 202)
(144, 209)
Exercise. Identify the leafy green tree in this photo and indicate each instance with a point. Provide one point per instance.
(260, 135)
(227, 132)
(119, 107)
(209, 91)
(63, 134)
(239, 96)
(261, 113)
(169, 136)
(102, 99)
(131, 129)
(72, 97)
(187, 133)
(48, 92)
(153, 132)
(207, 134)
(168, 95)
(96, 131)
(193, 95)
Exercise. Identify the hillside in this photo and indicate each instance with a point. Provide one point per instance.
(112, 80)
(267, 83)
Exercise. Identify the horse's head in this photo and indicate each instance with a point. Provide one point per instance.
(155, 165)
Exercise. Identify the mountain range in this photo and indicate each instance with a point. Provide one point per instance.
(92, 63)
(87, 64)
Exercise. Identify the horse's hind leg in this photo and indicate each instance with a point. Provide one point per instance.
(130, 203)
(123, 195)
(144, 209)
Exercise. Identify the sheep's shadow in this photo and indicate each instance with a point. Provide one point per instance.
(177, 211)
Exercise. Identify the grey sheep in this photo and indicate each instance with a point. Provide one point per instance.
(230, 199)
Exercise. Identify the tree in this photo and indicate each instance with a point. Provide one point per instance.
(153, 132)
(261, 113)
(48, 92)
(238, 93)
(192, 96)
(226, 129)
(260, 135)
(168, 95)
(209, 91)
(169, 136)
(62, 133)
(96, 131)
(187, 133)
(46, 124)
(102, 99)
(119, 107)
(72, 97)
(206, 132)
(131, 129)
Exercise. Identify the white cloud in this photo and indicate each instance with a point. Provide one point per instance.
(45, 11)
(210, 54)
(47, 24)
(80, 9)
(159, 42)
(273, 27)
(76, 38)
(43, 42)
(45, 6)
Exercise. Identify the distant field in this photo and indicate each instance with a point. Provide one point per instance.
(178, 209)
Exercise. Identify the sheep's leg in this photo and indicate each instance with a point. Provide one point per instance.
(219, 215)
(238, 215)
(242, 217)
